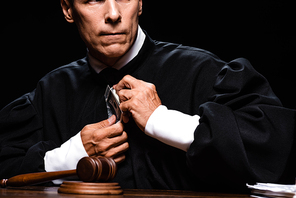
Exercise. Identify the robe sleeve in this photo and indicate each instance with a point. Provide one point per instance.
(244, 135)
(22, 148)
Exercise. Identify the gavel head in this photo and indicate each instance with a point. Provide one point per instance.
(90, 169)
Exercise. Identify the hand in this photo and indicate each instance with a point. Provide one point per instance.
(137, 98)
(105, 139)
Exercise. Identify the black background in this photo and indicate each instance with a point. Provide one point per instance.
(36, 39)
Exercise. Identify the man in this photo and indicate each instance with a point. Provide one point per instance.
(190, 121)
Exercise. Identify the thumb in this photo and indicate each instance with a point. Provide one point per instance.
(105, 123)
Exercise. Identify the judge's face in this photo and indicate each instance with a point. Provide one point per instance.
(108, 27)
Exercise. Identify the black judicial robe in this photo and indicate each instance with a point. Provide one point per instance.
(244, 135)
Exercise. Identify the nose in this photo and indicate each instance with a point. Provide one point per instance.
(113, 13)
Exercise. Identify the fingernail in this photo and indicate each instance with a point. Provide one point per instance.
(112, 119)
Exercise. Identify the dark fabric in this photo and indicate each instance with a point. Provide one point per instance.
(244, 135)
(111, 76)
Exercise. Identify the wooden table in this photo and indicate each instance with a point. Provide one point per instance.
(38, 191)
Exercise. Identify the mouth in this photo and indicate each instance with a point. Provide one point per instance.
(111, 33)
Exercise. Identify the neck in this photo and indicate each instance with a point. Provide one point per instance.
(108, 61)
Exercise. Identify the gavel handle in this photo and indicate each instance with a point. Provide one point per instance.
(35, 178)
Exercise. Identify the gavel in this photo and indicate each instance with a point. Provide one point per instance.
(88, 169)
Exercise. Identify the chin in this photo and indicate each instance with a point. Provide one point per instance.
(115, 51)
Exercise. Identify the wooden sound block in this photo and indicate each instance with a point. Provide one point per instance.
(85, 188)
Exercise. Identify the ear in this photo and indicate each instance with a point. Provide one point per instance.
(67, 10)
(140, 7)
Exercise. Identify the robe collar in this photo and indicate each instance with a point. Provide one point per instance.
(98, 66)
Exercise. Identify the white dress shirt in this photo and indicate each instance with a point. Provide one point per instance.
(168, 126)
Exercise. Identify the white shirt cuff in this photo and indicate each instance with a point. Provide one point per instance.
(172, 127)
(65, 157)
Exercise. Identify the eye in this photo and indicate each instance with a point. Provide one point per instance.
(95, 1)
(123, 1)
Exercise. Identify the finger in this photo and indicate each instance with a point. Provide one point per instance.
(119, 159)
(129, 105)
(112, 120)
(125, 116)
(115, 151)
(115, 130)
(126, 109)
(118, 140)
(88, 130)
(125, 94)
(120, 156)
(111, 147)
(99, 135)
(126, 82)
(105, 123)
